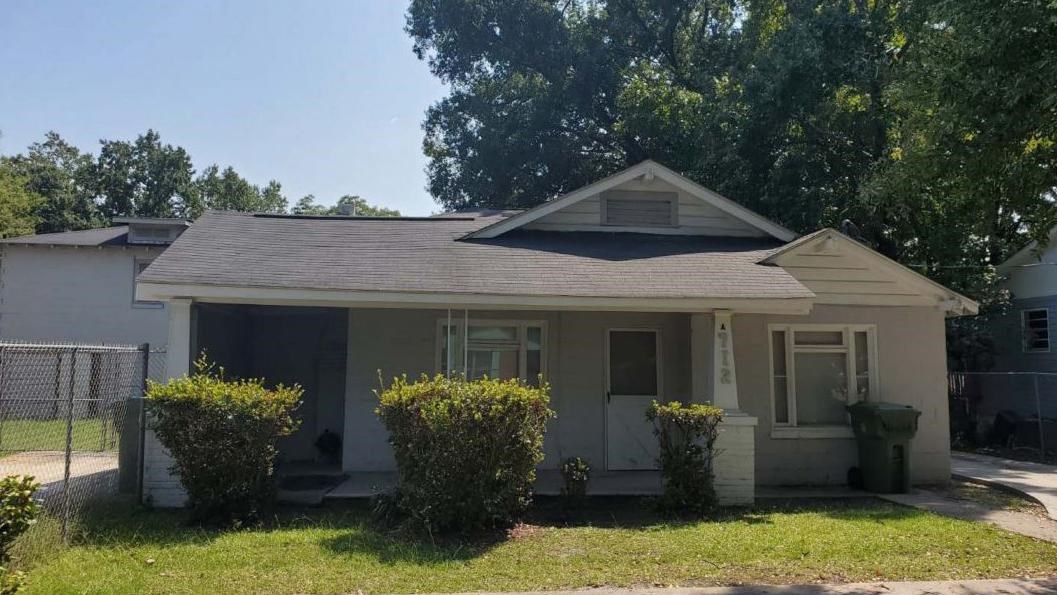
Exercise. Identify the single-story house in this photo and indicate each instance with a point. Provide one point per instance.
(641, 286)
(80, 286)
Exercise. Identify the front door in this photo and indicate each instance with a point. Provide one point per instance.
(632, 382)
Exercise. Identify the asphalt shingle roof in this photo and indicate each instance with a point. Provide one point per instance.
(426, 255)
(103, 236)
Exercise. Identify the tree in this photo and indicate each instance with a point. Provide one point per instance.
(145, 178)
(228, 191)
(974, 157)
(347, 205)
(912, 119)
(17, 204)
(59, 173)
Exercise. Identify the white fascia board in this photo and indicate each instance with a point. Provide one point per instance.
(681, 182)
(380, 299)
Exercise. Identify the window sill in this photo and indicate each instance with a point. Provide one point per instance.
(148, 305)
(810, 432)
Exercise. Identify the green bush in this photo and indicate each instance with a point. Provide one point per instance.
(18, 511)
(576, 473)
(466, 450)
(223, 437)
(687, 436)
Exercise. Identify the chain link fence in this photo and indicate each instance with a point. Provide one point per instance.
(1014, 413)
(71, 416)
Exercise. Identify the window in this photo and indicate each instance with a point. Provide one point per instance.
(816, 371)
(640, 209)
(140, 265)
(497, 349)
(1035, 325)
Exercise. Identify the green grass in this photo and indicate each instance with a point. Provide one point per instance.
(17, 435)
(130, 550)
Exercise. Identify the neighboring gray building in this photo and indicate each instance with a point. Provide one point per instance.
(80, 285)
(641, 286)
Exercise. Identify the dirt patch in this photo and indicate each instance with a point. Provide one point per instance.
(991, 497)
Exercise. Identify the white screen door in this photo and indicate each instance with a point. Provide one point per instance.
(632, 382)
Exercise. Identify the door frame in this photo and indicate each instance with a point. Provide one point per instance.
(606, 377)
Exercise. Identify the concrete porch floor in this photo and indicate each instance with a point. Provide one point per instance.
(548, 483)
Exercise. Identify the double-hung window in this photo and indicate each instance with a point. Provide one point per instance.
(496, 349)
(816, 372)
(1035, 325)
(140, 265)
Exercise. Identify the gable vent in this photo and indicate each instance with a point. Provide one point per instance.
(640, 209)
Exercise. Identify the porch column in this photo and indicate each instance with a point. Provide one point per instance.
(735, 465)
(162, 488)
(178, 354)
(724, 378)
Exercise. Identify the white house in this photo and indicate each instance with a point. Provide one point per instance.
(641, 286)
(80, 285)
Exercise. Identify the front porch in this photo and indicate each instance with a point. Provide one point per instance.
(604, 369)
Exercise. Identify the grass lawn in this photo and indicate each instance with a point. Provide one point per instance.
(17, 435)
(129, 550)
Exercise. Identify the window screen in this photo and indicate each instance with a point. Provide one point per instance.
(1036, 325)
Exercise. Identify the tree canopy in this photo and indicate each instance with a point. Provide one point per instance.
(65, 189)
(930, 125)
(18, 204)
(349, 204)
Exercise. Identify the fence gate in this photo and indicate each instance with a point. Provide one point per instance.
(70, 416)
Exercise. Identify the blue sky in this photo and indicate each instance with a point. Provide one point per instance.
(324, 96)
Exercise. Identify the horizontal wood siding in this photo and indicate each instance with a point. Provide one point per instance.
(1009, 339)
(838, 278)
(695, 217)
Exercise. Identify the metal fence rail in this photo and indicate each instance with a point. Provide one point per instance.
(1015, 410)
(70, 417)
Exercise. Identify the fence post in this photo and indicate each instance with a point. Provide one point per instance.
(1038, 417)
(3, 404)
(145, 348)
(69, 449)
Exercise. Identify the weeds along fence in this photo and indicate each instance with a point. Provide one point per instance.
(71, 416)
(1010, 410)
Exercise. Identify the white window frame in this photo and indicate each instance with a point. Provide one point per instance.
(1024, 330)
(654, 196)
(136, 262)
(522, 325)
(791, 429)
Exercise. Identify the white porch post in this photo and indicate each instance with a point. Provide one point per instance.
(735, 465)
(160, 487)
(724, 378)
(178, 354)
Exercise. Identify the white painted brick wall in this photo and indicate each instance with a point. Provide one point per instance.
(735, 463)
(161, 488)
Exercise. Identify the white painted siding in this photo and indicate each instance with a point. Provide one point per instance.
(78, 294)
(838, 277)
(1037, 278)
(695, 216)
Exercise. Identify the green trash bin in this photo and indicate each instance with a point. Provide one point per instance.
(884, 431)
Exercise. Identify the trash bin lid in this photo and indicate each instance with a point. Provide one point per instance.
(893, 417)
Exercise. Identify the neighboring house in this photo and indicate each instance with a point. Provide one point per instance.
(1023, 336)
(80, 285)
(641, 286)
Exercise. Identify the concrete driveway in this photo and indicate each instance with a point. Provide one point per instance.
(1035, 480)
(91, 473)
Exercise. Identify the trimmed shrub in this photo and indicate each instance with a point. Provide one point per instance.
(466, 450)
(18, 511)
(687, 436)
(576, 473)
(223, 437)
